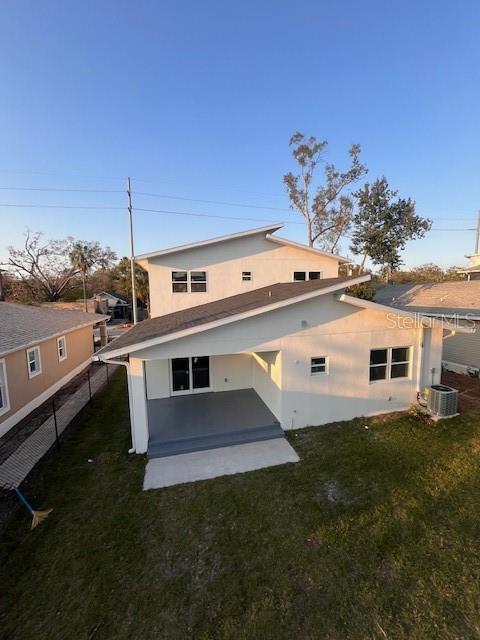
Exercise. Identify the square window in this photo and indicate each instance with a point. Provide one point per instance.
(400, 354)
(400, 370)
(378, 372)
(314, 275)
(33, 362)
(318, 365)
(247, 276)
(378, 356)
(61, 348)
(179, 281)
(389, 364)
(299, 276)
(198, 281)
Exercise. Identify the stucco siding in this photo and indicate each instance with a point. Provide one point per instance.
(267, 380)
(23, 390)
(227, 373)
(322, 327)
(463, 348)
(269, 263)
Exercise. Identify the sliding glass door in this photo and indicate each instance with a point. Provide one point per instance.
(190, 375)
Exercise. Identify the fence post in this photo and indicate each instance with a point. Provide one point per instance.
(55, 424)
(89, 387)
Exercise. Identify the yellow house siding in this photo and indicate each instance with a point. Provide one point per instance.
(22, 389)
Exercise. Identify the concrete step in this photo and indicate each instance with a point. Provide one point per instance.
(159, 449)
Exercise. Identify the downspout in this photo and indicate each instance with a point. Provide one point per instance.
(127, 365)
(421, 354)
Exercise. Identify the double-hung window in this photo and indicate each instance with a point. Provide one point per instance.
(4, 399)
(189, 281)
(319, 365)
(198, 281)
(390, 363)
(179, 281)
(61, 348)
(301, 276)
(247, 276)
(34, 362)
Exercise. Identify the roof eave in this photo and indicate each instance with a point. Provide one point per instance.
(299, 245)
(63, 332)
(205, 243)
(375, 306)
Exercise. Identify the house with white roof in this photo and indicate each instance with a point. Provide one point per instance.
(263, 341)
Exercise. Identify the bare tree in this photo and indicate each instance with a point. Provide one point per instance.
(42, 267)
(327, 210)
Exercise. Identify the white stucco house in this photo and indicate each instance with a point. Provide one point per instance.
(253, 335)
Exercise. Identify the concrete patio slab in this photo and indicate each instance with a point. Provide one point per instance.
(224, 461)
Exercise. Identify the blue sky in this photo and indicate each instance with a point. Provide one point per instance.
(198, 100)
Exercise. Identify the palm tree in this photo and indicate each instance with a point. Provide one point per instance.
(83, 256)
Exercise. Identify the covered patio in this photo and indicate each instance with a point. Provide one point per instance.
(196, 422)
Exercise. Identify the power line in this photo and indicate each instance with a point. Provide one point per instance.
(62, 190)
(221, 202)
(62, 206)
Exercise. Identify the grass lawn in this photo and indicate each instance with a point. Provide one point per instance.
(374, 534)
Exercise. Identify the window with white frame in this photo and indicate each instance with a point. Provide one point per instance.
(247, 276)
(179, 281)
(318, 365)
(189, 281)
(34, 362)
(61, 348)
(4, 399)
(390, 363)
(301, 276)
(198, 281)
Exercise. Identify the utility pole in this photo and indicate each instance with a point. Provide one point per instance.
(132, 253)
(477, 241)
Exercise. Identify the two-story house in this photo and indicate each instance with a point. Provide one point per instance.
(193, 274)
(252, 335)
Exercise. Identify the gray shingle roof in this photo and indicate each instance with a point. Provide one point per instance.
(460, 297)
(224, 308)
(22, 325)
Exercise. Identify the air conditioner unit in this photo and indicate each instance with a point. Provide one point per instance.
(442, 401)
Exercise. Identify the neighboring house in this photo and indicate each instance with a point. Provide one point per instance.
(40, 350)
(113, 305)
(472, 271)
(261, 339)
(457, 302)
(201, 272)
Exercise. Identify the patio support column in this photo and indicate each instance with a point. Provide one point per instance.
(139, 404)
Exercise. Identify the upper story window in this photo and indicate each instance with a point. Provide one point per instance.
(301, 276)
(34, 362)
(61, 348)
(247, 276)
(179, 281)
(198, 281)
(387, 364)
(189, 281)
(4, 399)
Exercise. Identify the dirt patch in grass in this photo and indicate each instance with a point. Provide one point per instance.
(374, 533)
